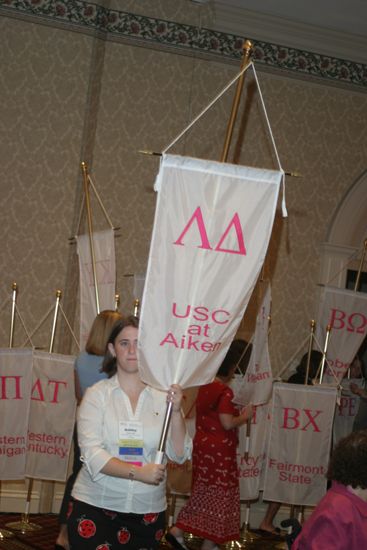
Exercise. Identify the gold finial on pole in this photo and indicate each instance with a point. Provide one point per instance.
(58, 297)
(136, 307)
(247, 47)
(117, 302)
(13, 306)
(328, 330)
(90, 231)
(358, 278)
(312, 334)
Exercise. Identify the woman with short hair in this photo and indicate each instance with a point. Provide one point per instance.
(339, 521)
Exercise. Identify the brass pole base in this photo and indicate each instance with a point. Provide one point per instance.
(5, 534)
(24, 525)
(247, 536)
(192, 541)
(231, 544)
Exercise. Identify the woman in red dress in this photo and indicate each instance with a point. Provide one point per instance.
(213, 510)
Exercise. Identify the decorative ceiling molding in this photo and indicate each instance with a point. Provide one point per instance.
(302, 36)
(187, 39)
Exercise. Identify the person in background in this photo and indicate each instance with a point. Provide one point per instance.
(213, 509)
(339, 521)
(119, 496)
(357, 370)
(88, 371)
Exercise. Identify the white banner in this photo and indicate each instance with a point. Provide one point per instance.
(104, 252)
(299, 446)
(347, 410)
(15, 391)
(250, 469)
(211, 231)
(52, 416)
(37, 414)
(257, 383)
(346, 313)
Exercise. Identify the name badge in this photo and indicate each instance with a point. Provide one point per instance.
(131, 442)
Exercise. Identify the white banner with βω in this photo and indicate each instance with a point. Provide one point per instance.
(299, 446)
(52, 416)
(257, 382)
(211, 231)
(15, 390)
(105, 270)
(346, 313)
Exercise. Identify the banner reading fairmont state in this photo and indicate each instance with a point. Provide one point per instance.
(299, 447)
(211, 231)
(37, 414)
(104, 253)
(346, 313)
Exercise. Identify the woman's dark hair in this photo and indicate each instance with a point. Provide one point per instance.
(109, 362)
(234, 357)
(349, 459)
(315, 361)
(244, 350)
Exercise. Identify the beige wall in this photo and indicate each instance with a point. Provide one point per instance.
(67, 96)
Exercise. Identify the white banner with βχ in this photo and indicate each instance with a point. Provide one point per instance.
(299, 446)
(211, 231)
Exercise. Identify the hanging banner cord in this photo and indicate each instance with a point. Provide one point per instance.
(221, 93)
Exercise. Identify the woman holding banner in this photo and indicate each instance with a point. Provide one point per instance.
(119, 495)
(339, 521)
(88, 367)
(213, 510)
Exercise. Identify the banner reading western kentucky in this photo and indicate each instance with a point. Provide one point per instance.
(257, 383)
(347, 410)
(104, 252)
(211, 231)
(299, 446)
(52, 416)
(346, 313)
(15, 391)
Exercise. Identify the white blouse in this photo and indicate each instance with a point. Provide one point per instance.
(104, 406)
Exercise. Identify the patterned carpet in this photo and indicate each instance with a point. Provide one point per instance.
(44, 538)
(41, 539)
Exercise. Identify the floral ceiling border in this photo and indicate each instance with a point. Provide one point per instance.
(117, 24)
